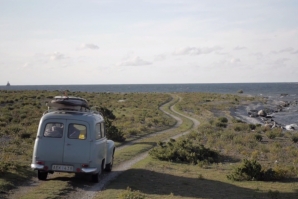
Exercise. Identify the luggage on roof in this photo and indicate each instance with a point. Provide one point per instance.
(68, 103)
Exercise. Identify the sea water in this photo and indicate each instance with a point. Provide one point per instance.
(265, 89)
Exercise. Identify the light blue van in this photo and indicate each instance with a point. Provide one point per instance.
(72, 140)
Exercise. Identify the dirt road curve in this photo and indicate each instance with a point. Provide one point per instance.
(91, 191)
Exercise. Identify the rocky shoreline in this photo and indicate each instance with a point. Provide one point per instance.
(279, 111)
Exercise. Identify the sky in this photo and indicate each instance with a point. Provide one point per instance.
(62, 42)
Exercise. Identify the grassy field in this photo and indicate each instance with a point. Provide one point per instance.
(138, 115)
(234, 141)
(155, 179)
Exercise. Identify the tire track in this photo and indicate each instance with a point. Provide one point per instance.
(92, 191)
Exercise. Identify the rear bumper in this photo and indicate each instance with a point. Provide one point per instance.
(37, 166)
(89, 170)
(83, 170)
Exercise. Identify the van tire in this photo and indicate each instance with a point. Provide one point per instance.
(42, 175)
(95, 177)
(110, 165)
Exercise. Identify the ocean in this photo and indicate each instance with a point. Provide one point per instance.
(265, 89)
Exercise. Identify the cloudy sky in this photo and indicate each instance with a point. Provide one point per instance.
(148, 41)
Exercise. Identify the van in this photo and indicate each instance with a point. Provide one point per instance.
(72, 138)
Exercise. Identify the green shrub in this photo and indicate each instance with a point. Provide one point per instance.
(252, 170)
(258, 137)
(228, 136)
(129, 194)
(221, 124)
(295, 138)
(133, 132)
(223, 119)
(183, 150)
(273, 133)
(249, 170)
(252, 126)
(242, 127)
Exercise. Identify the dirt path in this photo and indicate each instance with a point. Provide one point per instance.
(90, 191)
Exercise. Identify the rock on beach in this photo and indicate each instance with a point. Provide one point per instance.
(273, 113)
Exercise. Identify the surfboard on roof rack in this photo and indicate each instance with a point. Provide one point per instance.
(68, 102)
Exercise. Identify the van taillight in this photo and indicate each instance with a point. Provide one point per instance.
(85, 165)
(40, 162)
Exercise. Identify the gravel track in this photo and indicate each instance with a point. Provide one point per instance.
(92, 191)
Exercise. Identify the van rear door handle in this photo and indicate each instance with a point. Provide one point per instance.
(67, 144)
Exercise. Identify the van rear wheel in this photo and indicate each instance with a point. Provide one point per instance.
(42, 175)
(110, 165)
(95, 177)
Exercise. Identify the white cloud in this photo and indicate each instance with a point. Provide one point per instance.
(160, 57)
(239, 48)
(281, 61)
(25, 65)
(89, 46)
(285, 50)
(235, 61)
(134, 61)
(290, 49)
(196, 51)
(258, 55)
(57, 56)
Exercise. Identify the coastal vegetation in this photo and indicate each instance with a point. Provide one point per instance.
(131, 115)
(224, 153)
(249, 153)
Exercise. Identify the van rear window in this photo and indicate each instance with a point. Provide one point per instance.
(77, 131)
(54, 130)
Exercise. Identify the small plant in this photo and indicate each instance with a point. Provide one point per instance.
(221, 124)
(252, 126)
(258, 137)
(223, 119)
(252, 170)
(183, 150)
(130, 194)
(249, 170)
(273, 133)
(295, 138)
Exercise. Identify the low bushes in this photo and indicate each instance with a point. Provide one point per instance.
(251, 170)
(131, 194)
(183, 150)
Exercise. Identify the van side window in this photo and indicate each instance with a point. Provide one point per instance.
(77, 131)
(97, 131)
(54, 130)
(103, 133)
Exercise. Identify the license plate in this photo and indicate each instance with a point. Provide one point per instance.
(62, 168)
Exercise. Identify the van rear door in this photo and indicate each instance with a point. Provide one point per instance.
(77, 142)
(49, 144)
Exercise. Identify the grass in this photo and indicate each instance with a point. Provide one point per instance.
(20, 112)
(60, 183)
(158, 179)
(152, 178)
(148, 143)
